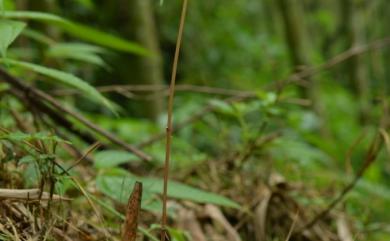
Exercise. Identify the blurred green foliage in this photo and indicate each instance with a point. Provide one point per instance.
(236, 45)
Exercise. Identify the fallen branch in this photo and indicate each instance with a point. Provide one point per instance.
(28, 194)
(39, 96)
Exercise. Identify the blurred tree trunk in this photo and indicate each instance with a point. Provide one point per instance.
(292, 14)
(355, 69)
(138, 24)
(21, 4)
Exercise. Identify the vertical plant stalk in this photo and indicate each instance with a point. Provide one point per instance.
(169, 119)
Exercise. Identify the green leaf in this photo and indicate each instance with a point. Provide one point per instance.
(297, 150)
(39, 16)
(9, 30)
(78, 47)
(65, 78)
(112, 185)
(81, 31)
(38, 36)
(77, 51)
(112, 158)
(26, 159)
(92, 35)
(31, 174)
(20, 136)
(183, 191)
(178, 235)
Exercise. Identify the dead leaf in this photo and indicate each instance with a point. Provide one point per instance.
(343, 229)
(260, 218)
(216, 214)
(187, 221)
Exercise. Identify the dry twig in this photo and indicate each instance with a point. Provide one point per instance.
(28, 194)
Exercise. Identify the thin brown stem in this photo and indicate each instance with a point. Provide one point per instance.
(169, 120)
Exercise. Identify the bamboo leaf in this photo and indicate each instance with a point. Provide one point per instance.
(9, 30)
(112, 158)
(81, 31)
(78, 51)
(65, 78)
(113, 186)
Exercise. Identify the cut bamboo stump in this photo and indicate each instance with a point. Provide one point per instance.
(132, 211)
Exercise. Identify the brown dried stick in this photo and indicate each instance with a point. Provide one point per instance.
(28, 194)
(169, 121)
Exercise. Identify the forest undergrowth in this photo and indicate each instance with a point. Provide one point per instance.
(244, 164)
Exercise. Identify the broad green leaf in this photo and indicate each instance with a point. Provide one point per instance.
(178, 235)
(31, 174)
(39, 16)
(9, 30)
(65, 78)
(98, 37)
(182, 191)
(112, 158)
(81, 31)
(78, 47)
(222, 107)
(117, 188)
(77, 51)
(112, 185)
(296, 150)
